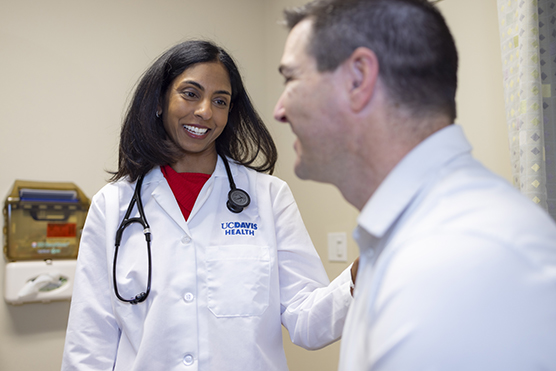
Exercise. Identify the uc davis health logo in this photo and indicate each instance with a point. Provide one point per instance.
(239, 228)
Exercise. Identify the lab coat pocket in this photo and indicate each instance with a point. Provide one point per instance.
(238, 279)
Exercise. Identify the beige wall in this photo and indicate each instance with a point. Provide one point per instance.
(67, 68)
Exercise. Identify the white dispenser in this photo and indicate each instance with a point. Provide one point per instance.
(42, 227)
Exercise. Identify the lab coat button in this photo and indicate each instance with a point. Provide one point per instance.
(186, 239)
(188, 360)
(188, 297)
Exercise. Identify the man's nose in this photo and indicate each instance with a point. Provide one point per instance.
(280, 111)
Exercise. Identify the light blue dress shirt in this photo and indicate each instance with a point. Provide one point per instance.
(457, 270)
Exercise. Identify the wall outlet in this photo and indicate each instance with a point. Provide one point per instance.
(337, 247)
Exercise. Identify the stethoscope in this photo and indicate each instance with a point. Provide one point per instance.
(238, 200)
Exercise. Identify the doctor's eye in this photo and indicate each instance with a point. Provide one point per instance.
(188, 94)
(221, 102)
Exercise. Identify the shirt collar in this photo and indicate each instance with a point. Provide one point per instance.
(220, 169)
(410, 176)
(155, 174)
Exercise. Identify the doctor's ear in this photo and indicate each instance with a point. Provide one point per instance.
(158, 112)
(362, 69)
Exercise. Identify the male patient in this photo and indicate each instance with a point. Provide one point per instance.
(457, 269)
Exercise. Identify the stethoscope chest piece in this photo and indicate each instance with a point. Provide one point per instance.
(238, 200)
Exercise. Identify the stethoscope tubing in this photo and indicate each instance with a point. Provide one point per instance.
(238, 200)
(136, 199)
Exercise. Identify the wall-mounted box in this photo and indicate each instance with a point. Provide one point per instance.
(42, 227)
(43, 220)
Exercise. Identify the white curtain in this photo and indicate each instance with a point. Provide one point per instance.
(528, 43)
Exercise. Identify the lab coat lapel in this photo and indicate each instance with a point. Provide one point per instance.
(219, 171)
(164, 196)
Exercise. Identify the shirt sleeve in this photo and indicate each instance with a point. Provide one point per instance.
(93, 334)
(313, 310)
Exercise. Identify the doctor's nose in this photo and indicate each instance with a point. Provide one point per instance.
(204, 109)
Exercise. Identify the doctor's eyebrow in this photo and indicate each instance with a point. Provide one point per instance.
(202, 88)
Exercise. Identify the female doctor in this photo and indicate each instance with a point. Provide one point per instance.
(193, 257)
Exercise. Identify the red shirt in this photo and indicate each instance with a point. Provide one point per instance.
(185, 186)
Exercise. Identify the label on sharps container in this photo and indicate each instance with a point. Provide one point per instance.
(60, 230)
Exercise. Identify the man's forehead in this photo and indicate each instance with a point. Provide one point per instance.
(295, 50)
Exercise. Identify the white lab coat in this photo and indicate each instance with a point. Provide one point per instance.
(222, 283)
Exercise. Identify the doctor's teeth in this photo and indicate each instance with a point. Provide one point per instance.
(195, 130)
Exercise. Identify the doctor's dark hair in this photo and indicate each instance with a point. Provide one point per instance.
(143, 139)
(417, 55)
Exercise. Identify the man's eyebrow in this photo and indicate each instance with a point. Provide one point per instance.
(202, 88)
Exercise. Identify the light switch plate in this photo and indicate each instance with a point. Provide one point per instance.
(337, 247)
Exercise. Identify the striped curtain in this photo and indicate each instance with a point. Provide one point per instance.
(528, 44)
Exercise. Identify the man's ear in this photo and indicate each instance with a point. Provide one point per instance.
(362, 71)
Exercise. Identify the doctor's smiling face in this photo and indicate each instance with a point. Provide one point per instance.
(195, 112)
